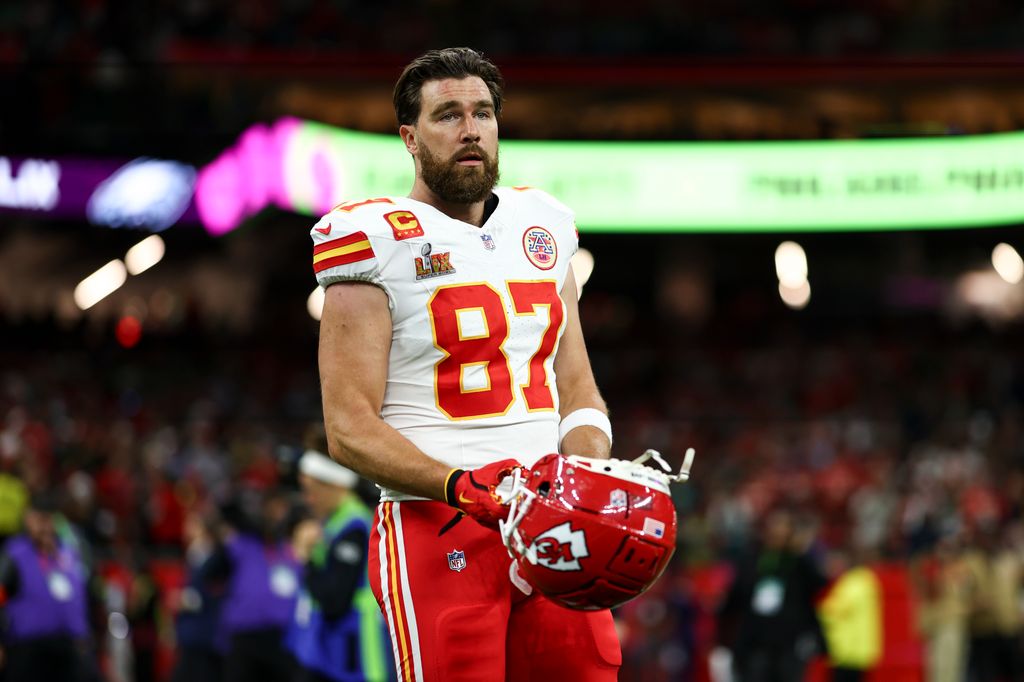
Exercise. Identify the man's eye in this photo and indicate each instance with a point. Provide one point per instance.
(447, 117)
(483, 114)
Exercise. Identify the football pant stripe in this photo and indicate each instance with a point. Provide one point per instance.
(403, 661)
(395, 589)
(385, 585)
(410, 610)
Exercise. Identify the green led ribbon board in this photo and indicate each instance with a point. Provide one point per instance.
(919, 183)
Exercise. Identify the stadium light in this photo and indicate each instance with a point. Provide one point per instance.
(315, 303)
(100, 284)
(582, 268)
(791, 265)
(796, 297)
(145, 254)
(985, 293)
(1008, 263)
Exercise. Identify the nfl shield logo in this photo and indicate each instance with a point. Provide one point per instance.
(457, 560)
(619, 498)
(488, 242)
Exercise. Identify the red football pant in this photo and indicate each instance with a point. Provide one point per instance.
(473, 624)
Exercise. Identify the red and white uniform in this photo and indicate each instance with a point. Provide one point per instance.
(476, 319)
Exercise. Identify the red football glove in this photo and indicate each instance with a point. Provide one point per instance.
(472, 492)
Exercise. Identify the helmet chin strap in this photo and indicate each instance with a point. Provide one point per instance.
(684, 471)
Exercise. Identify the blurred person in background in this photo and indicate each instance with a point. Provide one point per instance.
(338, 633)
(43, 585)
(196, 626)
(944, 586)
(439, 417)
(851, 619)
(996, 572)
(659, 633)
(768, 620)
(13, 498)
(142, 616)
(261, 577)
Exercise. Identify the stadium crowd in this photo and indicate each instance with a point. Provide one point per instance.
(901, 451)
(113, 29)
(117, 78)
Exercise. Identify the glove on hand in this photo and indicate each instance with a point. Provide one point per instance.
(473, 492)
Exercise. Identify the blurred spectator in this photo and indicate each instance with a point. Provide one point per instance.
(197, 632)
(997, 572)
(338, 632)
(771, 606)
(851, 618)
(13, 498)
(658, 633)
(262, 576)
(43, 595)
(944, 587)
(143, 621)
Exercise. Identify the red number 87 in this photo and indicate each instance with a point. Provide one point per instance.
(487, 349)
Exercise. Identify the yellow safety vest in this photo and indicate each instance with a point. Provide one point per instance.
(851, 616)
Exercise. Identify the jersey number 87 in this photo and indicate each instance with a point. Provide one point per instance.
(487, 349)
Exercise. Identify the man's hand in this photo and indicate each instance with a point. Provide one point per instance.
(304, 539)
(473, 492)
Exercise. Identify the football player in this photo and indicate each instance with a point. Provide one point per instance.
(451, 354)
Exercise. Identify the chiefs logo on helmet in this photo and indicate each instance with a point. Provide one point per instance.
(561, 548)
(591, 534)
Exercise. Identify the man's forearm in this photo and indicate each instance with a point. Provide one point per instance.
(585, 440)
(577, 389)
(380, 453)
(588, 441)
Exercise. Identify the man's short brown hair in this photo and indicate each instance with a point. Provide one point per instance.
(451, 62)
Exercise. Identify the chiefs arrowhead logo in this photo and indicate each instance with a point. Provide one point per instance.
(560, 548)
(324, 230)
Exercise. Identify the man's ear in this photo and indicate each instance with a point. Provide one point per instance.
(408, 133)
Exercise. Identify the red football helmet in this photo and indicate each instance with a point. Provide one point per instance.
(591, 533)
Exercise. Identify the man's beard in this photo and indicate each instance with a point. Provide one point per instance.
(455, 184)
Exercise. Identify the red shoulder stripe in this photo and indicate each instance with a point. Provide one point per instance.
(340, 241)
(354, 257)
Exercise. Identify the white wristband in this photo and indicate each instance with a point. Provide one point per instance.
(585, 416)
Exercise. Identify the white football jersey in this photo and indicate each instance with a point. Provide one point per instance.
(476, 318)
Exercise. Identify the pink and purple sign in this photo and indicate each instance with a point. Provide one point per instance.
(282, 164)
(144, 193)
(299, 166)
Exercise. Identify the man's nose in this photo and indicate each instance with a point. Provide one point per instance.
(470, 131)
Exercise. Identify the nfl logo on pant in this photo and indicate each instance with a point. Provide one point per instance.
(457, 560)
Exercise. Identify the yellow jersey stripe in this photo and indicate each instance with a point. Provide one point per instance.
(341, 251)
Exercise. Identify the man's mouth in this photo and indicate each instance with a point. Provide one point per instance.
(470, 159)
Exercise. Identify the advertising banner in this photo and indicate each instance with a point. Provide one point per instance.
(919, 183)
(143, 193)
(305, 167)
